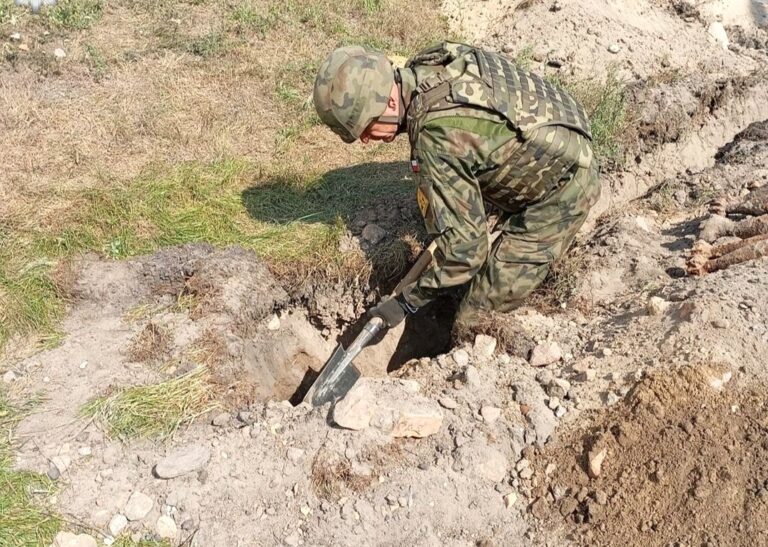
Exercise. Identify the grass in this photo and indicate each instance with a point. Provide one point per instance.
(154, 411)
(24, 520)
(75, 14)
(125, 541)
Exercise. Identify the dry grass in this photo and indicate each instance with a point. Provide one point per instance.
(149, 345)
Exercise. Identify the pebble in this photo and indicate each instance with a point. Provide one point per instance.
(274, 323)
(614, 48)
(546, 353)
(373, 233)
(166, 527)
(522, 464)
(83, 365)
(222, 419)
(490, 413)
(721, 323)
(53, 472)
(587, 376)
(447, 402)
(292, 540)
(117, 524)
(560, 411)
(717, 31)
(183, 460)
(601, 497)
(61, 463)
(59, 53)
(551, 467)
(510, 499)
(596, 462)
(611, 399)
(471, 376)
(484, 345)
(139, 505)
(556, 6)
(656, 306)
(568, 506)
(553, 403)
(84, 451)
(526, 473)
(68, 539)
(15, 37)
(539, 508)
(461, 357)
(545, 377)
(606, 352)
(10, 377)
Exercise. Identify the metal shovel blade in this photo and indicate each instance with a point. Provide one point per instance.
(336, 379)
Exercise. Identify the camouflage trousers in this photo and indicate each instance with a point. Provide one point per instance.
(530, 241)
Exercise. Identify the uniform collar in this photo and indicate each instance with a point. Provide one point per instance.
(407, 80)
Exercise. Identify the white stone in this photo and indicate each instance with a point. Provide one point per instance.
(15, 37)
(447, 402)
(656, 306)
(472, 376)
(560, 411)
(117, 524)
(68, 539)
(292, 540)
(9, 377)
(490, 413)
(393, 407)
(510, 499)
(553, 403)
(373, 233)
(166, 527)
(83, 365)
(61, 462)
(717, 31)
(139, 505)
(461, 357)
(614, 48)
(183, 460)
(484, 346)
(84, 451)
(482, 461)
(606, 352)
(274, 323)
(545, 354)
(59, 53)
(596, 459)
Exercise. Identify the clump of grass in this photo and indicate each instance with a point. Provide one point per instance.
(332, 476)
(6, 10)
(150, 344)
(154, 411)
(207, 45)
(562, 282)
(126, 541)
(23, 517)
(96, 62)
(75, 14)
(524, 57)
(246, 16)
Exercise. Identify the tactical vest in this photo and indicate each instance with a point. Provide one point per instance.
(451, 75)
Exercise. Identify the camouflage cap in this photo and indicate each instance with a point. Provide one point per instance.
(352, 88)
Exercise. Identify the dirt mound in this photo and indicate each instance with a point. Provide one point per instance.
(683, 464)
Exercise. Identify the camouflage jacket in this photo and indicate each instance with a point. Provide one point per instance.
(469, 149)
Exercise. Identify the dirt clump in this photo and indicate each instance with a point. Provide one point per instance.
(682, 463)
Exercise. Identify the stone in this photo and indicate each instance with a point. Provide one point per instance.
(558, 388)
(68, 539)
(540, 508)
(479, 460)
(139, 505)
(490, 413)
(484, 346)
(292, 540)
(10, 377)
(611, 399)
(721, 323)
(596, 459)
(274, 323)
(471, 376)
(587, 376)
(166, 527)
(545, 377)
(394, 407)
(117, 525)
(61, 463)
(568, 506)
(530, 396)
(556, 6)
(59, 53)
(510, 499)
(295, 454)
(656, 306)
(601, 497)
(84, 451)
(526, 473)
(461, 357)
(553, 403)
(560, 411)
(15, 37)
(53, 472)
(221, 419)
(717, 31)
(614, 48)
(183, 460)
(373, 233)
(447, 402)
(545, 354)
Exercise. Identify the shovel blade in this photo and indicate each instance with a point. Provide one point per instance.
(336, 379)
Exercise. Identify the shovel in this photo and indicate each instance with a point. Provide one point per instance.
(340, 373)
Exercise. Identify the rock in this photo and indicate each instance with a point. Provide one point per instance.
(522, 464)
(461, 357)
(166, 527)
(53, 472)
(15, 37)
(117, 525)
(560, 411)
(139, 505)
(601, 497)
(614, 48)
(59, 53)
(553, 403)
(545, 377)
(292, 540)
(222, 419)
(721, 323)
(587, 376)
(61, 463)
(447, 402)
(606, 352)
(373, 233)
(510, 499)
(526, 473)
(545, 354)
(656, 306)
(556, 6)
(394, 407)
(484, 346)
(611, 399)
(508, 47)
(295, 454)
(68, 539)
(274, 323)
(530, 396)
(84, 451)
(183, 460)
(717, 31)
(490, 413)
(471, 376)
(596, 459)
(10, 377)
(480, 460)
(540, 508)
(568, 506)
(559, 388)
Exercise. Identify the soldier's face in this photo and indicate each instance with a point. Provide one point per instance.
(384, 131)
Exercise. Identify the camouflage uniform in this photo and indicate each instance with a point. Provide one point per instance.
(534, 165)
(482, 131)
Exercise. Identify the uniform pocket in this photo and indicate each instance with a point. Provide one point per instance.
(522, 251)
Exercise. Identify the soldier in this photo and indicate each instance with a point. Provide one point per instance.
(482, 130)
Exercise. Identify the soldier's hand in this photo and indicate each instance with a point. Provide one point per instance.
(392, 310)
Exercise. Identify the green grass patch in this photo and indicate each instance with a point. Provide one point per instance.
(24, 521)
(246, 16)
(154, 411)
(96, 62)
(75, 14)
(6, 10)
(125, 541)
(208, 45)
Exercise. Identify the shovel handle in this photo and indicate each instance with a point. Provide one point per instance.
(417, 269)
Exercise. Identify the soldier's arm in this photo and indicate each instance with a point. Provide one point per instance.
(451, 202)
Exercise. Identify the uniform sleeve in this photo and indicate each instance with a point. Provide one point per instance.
(451, 203)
